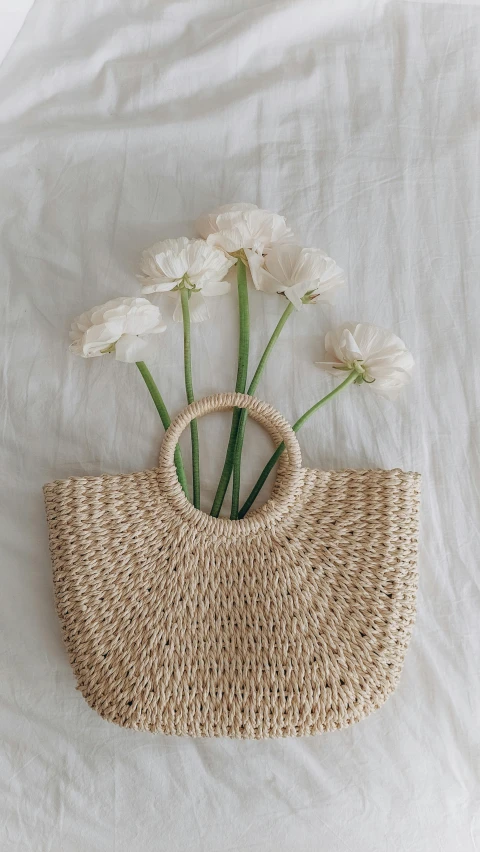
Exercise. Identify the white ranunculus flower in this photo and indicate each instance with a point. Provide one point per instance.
(304, 275)
(244, 227)
(171, 264)
(379, 356)
(117, 326)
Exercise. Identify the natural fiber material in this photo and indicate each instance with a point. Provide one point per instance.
(292, 621)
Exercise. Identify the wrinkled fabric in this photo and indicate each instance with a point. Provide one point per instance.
(120, 124)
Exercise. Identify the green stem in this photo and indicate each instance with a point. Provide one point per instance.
(243, 347)
(237, 454)
(278, 452)
(187, 360)
(164, 417)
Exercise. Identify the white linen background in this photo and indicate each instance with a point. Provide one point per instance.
(120, 122)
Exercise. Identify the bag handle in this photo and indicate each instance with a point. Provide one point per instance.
(289, 471)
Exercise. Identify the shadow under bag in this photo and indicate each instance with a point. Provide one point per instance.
(292, 621)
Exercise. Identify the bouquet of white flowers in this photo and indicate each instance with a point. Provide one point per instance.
(193, 270)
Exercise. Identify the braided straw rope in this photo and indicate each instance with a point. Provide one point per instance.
(291, 621)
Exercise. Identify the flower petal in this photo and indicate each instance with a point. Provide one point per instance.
(265, 281)
(215, 288)
(334, 341)
(281, 261)
(130, 348)
(96, 339)
(292, 294)
(156, 285)
(255, 264)
(177, 314)
(229, 241)
(197, 307)
(207, 222)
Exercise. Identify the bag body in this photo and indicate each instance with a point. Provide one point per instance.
(292, 621)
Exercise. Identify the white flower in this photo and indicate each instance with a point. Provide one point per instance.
(380, 357)
(117, 326)
(305, 275)
(244, 227)
(172, 264)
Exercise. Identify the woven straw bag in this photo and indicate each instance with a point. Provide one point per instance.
(291, 621)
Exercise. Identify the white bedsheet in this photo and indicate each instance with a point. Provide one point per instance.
(120, 122)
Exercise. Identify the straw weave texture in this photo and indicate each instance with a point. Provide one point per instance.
(292, 621)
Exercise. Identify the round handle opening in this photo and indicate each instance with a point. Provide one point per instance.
(290, 466)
